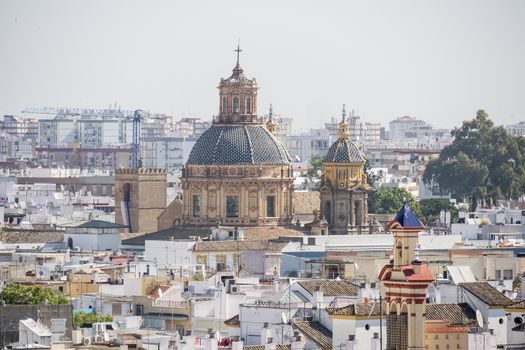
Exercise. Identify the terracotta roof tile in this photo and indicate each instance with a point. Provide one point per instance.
(517, 305)
(361, 309)
(316, 332)
(14, 236)
(239, 245)
(458, 314)
(273, 232)
(330, 287)
(486, 293)
(261, 347)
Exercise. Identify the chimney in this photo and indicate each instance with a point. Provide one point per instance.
(350, 343)
(318, 297)
(416, 266)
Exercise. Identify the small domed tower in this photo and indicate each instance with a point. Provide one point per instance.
(270, 124)
(404, 284)
(344, 190)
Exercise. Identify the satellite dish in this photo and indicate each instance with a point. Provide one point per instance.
(479, 318)
(115, 325)
(284, 318)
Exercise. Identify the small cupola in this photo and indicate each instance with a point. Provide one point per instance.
(270, 124)
(344, 132)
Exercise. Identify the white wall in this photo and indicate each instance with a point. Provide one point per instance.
(169, 252)
(466, 231)
(92, 241)
(491, 317)
(252, 320)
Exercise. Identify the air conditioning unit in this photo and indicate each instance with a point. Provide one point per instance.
(86, 341)
(234, 289)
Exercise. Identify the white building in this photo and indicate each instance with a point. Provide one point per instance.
(170, 153)
(31, 332)
(93, 235)
(170, 254)
(60, 131)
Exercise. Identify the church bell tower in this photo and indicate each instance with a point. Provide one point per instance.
(404, 284)
(238, 97)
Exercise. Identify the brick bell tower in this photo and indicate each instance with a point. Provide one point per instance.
(404, 284)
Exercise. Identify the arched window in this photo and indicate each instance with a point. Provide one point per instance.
(248, 105)
(224, 105)
(235, 104)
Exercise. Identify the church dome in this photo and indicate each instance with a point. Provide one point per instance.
(344, 151)
(224, 144)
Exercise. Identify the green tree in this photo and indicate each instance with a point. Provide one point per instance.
(81, 318)
(15, 293)
(431, 208)
(371, 178)
(483, 163)
(314, 171)
(388, 200)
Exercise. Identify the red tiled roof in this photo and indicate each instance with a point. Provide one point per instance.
(424, 275)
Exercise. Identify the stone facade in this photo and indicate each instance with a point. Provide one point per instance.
(140, 197)
(344, 190)
(237, 173)
(263, 195)
(172, 216)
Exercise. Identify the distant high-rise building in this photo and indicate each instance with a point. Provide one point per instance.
(516, 129)
(26, 128)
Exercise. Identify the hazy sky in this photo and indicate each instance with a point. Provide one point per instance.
(436, 60)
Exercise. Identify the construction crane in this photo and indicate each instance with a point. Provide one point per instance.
(135, 145)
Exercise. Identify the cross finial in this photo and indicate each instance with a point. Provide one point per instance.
(344, 112)
(238, 52)
(271, 111)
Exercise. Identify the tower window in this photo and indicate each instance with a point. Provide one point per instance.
(196, 205)
(232, 206)
(235, 104)
(224, 105)
(270, 206)
(248, 105)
